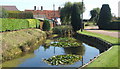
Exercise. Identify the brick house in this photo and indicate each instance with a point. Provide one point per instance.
(47, 14)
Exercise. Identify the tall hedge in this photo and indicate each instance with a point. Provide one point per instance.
(37, 23)
(46, 25)
(75, 18)
(20, 14)
(13, 24)
(17, 24)
(105, 16)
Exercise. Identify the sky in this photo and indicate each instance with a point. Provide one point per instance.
(48, 4)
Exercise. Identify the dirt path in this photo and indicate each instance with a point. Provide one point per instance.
(109, 33)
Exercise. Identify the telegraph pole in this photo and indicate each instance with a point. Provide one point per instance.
(82, 18)
(54, 14)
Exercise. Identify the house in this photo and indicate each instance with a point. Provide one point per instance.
(46, 14)
(9, 8)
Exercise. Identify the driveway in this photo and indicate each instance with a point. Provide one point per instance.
(95, 29)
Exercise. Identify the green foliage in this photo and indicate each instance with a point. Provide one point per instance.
(46, 25)
(17, 24)
(66, 39)
(32, 23)
(65, 44)
(20, 14)
(63, 59)
(105, 16)
(75, 18)
(13, 24)
(94, 14)
(66, 12)
(3, 13)
(37, 23)
(61, 29)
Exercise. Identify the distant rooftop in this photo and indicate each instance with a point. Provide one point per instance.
(9, 8)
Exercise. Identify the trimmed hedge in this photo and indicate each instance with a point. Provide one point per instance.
(32, 23)
(17, 24)
(20, 14)
(112, 26)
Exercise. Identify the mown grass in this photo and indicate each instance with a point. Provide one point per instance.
(113, 40)
(109, 58)
(113, 30)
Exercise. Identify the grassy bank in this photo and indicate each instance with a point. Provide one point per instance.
(109, 58)
(16, 42)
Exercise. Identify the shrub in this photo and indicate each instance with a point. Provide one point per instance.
(13, 24)
(105, 16)
(37, 23)
(17, 24)
(32, 23)
(46, 25)
(75, 18)
(63, 29)
(20, 14)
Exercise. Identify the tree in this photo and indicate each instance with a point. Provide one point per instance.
(75, 18)
(94, 14)
(46, 25)
(66, 11)
(3, 13)
(105, 16)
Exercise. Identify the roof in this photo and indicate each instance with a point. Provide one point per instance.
(49, 14)
(10, 8)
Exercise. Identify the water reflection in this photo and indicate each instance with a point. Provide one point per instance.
(84, 50)
(75, 50)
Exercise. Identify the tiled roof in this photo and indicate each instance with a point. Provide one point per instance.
(49, 14)
(10, 8)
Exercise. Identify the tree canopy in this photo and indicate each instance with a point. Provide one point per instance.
(105, 16)
(66, 11)
(94, 14)
(75, 18)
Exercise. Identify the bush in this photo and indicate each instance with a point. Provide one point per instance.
(37, 23)
(105, 16)
(32, 23)
(20, 14)
(62, 29)
(17, 24)
(13, 24)
(46, 25)
(114, 26)
(75, 18)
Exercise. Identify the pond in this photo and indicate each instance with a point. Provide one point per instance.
(44, 52)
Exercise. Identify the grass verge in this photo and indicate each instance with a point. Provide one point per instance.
(109, 58)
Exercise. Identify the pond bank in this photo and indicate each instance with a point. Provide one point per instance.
(94, 41)
(108, 58)
(17, 42)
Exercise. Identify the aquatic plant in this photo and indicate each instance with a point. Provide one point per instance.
(63, 59)
(65, 44)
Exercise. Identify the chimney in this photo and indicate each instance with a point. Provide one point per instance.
(59, 8)
(34, 8)
(41, 8)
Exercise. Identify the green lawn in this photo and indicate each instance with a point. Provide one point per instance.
(113, 30)
(109, 58)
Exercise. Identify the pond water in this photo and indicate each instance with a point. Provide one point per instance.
(36, 59)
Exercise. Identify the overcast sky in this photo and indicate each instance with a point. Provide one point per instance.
(48, 4)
